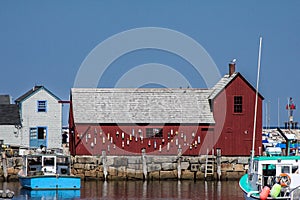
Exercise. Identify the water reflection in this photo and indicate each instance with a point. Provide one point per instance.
(94, 189)
(50, 194)
(161, 190)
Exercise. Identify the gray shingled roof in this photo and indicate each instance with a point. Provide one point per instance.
(32, 91)
(142, 105)
(223, 82)
(9, 114)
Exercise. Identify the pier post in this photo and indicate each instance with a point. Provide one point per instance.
(179, 163)
(4, 165)
(219, 163)
(104, 161)
(144, 160)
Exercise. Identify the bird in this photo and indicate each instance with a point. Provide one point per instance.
(233, 60)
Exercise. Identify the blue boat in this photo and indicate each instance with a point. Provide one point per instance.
(47, 171)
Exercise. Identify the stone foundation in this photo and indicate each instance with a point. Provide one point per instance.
(156, 168)
(151, 168)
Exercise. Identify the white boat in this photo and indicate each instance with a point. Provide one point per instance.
(47, 171)
(272, 177)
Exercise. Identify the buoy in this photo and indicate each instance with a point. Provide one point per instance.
(264, 193)
(275, 190)
(7, 193)
(285, 180)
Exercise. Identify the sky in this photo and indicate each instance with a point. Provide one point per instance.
(48, 42)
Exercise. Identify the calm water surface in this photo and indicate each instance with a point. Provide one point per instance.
(225, 190)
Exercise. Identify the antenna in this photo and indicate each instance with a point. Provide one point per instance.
(256, 97)
(278, 114)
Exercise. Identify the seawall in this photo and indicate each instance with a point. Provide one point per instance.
(145, 167)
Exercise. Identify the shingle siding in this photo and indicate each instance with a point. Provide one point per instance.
(142, 105)
(10, 135)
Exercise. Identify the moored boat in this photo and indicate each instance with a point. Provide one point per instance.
(47, 171)
(272, 177)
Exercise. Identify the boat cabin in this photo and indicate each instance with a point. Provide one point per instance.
(43, 164)
(267, 171)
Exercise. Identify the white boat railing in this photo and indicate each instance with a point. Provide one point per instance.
(252, 192)
(292, 191)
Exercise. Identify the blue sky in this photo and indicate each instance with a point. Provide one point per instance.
(45, 42)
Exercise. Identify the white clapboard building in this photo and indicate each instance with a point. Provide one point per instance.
(41, 118)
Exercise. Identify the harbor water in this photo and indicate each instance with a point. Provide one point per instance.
(95, 189)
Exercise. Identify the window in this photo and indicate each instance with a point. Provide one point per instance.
(285, 169)
(38, 133)
(41, 133)
(49, 161)
(238, 104)
(42, 106)
(154, 132)
(32, 133)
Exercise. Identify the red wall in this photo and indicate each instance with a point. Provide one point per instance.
(104, 137)
(236, 129)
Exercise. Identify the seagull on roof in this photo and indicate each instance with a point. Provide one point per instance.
(233, 60)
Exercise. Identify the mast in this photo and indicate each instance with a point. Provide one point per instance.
(278, 117)
(256, 98)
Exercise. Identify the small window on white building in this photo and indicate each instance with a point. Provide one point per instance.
(42, 106)
(41, 133)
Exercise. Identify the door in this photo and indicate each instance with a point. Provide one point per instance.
(38, 137)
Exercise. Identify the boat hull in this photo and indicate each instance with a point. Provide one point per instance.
(251, 197)
(50, 182)
(250, 194)
(248, 198)
(246, 189)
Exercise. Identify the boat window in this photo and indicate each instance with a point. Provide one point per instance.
(34, 161)
(269, 170)
(295, 169)
(256, 166)
(285, 169)
(48, 161)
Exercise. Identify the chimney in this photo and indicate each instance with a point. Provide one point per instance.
(231, 68)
